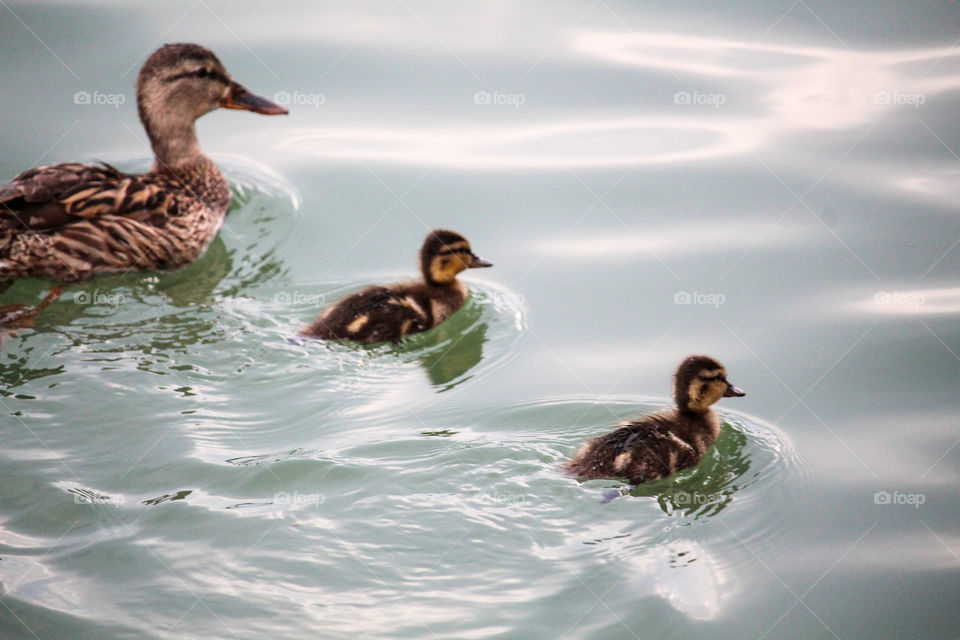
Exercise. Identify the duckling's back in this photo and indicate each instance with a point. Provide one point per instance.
(650, 448)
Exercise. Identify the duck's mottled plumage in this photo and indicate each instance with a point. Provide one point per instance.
(70, 220)
(389, 313)
(660, 444)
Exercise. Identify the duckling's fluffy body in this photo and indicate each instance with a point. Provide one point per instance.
(70, 220)
(660, 444)
(389, 313)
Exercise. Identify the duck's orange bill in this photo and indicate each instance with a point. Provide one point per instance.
(240, 98)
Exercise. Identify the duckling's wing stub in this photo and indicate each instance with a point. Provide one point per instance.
(376, 314)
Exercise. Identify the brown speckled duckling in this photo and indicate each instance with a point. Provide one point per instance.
(657, 445)
(389, 313)
(68, 221)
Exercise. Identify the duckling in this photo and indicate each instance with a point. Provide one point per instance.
(660, 444)
(68, 221)
(389, 313)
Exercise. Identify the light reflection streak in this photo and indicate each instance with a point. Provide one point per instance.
(788, 89)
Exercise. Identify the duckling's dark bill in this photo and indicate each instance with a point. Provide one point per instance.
(241, 98)
(480, 262)
(734, 392)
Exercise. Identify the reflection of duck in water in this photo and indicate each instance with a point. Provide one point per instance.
(663, 443)
(458, 350)
(389, 313)
(18, 316)
(67, 221)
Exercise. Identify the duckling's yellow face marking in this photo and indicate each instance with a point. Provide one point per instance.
(706, 388)
(451, 260)
(358, 324)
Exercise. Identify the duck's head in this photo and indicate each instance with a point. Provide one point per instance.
(445, 254)
(701, 381)
(179, 83)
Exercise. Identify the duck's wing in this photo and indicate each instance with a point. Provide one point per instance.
(52, 197)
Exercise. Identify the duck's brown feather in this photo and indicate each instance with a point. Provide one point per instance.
(67, 221)
(649, 448)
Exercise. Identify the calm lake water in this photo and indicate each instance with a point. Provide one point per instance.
(776, 184)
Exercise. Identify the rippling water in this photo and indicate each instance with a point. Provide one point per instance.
(774, 184)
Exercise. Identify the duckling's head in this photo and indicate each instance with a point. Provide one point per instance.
(445, 254)
(701, 381)
(179, 83)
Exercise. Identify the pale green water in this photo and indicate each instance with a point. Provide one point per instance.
(175, 466)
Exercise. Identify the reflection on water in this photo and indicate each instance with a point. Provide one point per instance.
(685, 575)
(450, 364)
(431, 460)
(790, 89)
(450, 350)
(710, 486)
(674, 240)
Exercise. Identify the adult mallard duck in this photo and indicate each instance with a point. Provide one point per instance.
(388, 313)
(70, 220)
(657, 445)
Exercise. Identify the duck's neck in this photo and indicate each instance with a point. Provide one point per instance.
(178, 155)
(174, 145)
(693, 410)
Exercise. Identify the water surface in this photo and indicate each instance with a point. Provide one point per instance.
(773, 184)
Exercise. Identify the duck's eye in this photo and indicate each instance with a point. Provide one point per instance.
(202, 73)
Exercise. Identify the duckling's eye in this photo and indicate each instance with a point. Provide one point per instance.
(202, 73)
